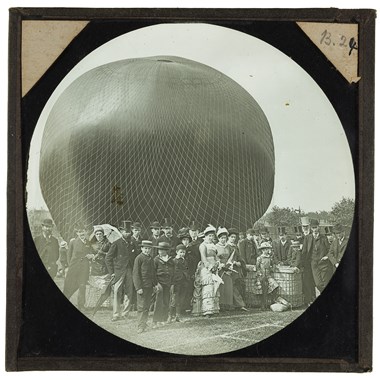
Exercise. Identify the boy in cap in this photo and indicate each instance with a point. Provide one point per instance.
(144, 279)
(180, 283)
(295, 254)
(48, 248)
(164, 269)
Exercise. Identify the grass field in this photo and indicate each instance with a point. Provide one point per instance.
(229, 331)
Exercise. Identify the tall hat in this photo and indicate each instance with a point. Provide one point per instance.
(183, 233)
(305, 220)
(281, 230)
(166, 223)
(338, 228)
(194, 226)
(328, 230)
(136, 225)
(222, 231)
(233, 231)
(125, 225)
(47, 223)
(155, 225)
(209, 229)
(314, 223)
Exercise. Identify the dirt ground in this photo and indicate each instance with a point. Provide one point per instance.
(229, 331)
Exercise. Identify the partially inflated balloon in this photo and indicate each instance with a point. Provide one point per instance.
(153, 138)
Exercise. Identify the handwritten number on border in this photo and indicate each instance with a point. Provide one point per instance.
(327, 39)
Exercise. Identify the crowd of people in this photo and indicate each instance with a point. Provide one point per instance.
(193, 272)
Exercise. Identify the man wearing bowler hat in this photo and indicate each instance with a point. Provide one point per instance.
(119, 261)
(338, 246)
(48, 248)
(314, 255)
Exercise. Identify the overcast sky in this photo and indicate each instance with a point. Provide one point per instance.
(307, 133)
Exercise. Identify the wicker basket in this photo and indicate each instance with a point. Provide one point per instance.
(94, 289)
(290, 285)
(252, 298)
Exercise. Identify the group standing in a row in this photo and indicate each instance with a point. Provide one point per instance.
(201, 272)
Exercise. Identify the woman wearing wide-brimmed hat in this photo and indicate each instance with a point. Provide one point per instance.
(207, 280)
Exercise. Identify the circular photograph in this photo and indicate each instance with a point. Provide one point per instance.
(190, 188)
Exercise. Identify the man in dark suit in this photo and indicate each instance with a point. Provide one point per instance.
(338, 246)
(193, 257)
(155, 227)
(136, 238)
(119, 261)
(48, 248)
(79, 255)
(314, 256)
(248, 249)
(281, 248)
(264, 236)
(168, 237)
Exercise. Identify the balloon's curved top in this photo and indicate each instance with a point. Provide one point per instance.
(156, 137)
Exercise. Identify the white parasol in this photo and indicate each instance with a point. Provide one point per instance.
(110, 232)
